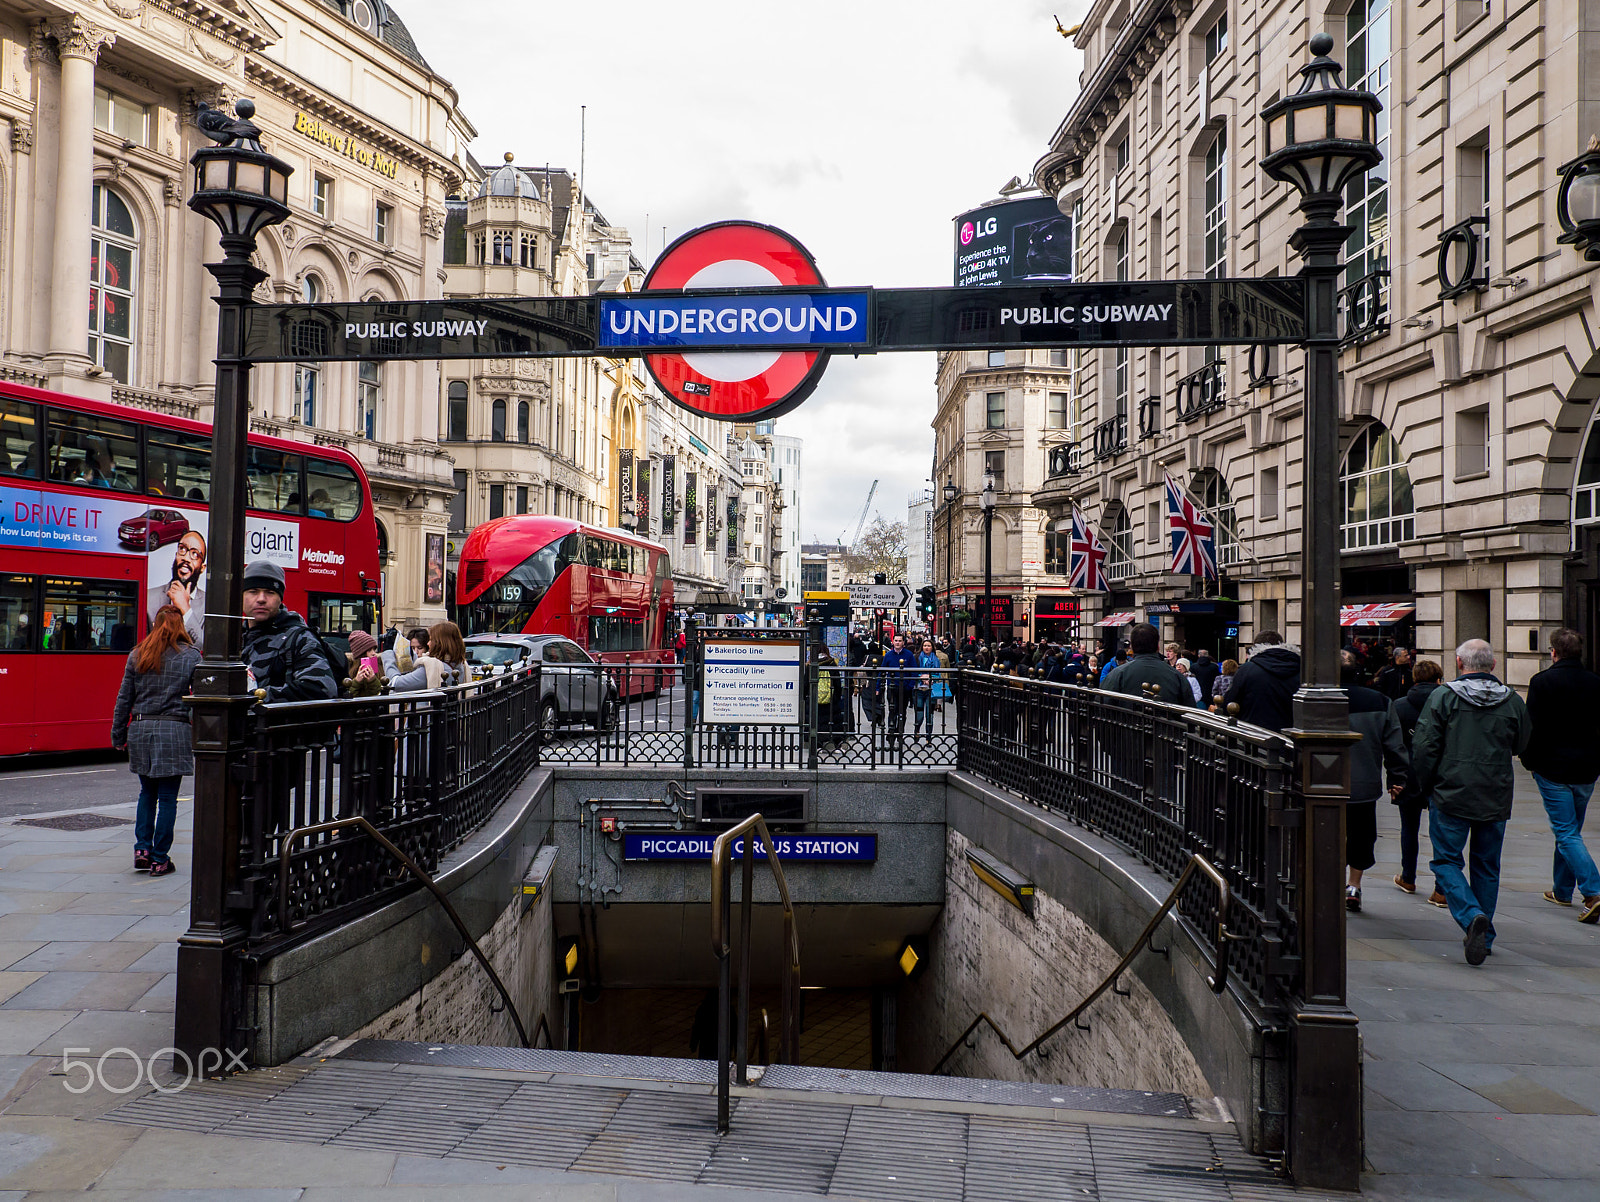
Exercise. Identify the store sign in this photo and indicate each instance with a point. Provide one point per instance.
(1055, 607)
(802, 849)
(345, 144)
(755, 681)
(1000, 610)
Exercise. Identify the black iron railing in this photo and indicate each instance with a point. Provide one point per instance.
(1166, 783)
(1202, 392)
(1364, 308)
(1111, 437)
(1149, 417)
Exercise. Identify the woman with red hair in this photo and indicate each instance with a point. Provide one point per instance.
(152, 722)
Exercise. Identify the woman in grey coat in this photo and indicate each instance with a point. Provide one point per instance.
(152, 722)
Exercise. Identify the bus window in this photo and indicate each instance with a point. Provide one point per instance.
(19, 439)
(177, 465)
(90, 615)
(274, 480)
(339, 617)
(18, 630)
(83, 448)
(616, 632)
(332, 490)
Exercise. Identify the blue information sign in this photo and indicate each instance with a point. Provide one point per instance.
(799, 319)
(832, 849)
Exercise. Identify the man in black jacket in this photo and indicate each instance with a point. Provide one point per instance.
(283, 656)
(1413, 802)
(1205, 670)
(1564, 757)
(1264, 686)
(1148, 667)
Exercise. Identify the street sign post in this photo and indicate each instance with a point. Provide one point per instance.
(878, 596)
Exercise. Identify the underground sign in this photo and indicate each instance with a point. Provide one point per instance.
(741, 385)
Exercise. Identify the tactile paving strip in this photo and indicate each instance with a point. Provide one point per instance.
(825, 1148)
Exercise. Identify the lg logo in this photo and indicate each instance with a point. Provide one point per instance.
(981, 229)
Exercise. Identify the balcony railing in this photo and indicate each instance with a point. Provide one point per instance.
(1202, 392)
(1111, 437)
(1364, 308)
(156, 401)
(1149, 417)
(1064, 461)
(1120, 566)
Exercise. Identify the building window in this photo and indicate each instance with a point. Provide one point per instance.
(455, 422)
(383, 223)
(1157, 103)
(310, 289)
(1378, 507)
(1119, 255)
(497, 501)
(1120, 380)
(994, 464)
(522, 421)
(522, 498)
(1472, 443)
(997, 358)
(1366, 198)
(1119, 544)
(1472, 191)
(1210, 491)
(322, 196)
(1058, 357)
(996, 402)
(1215, 265)
(1217, 39)
(369, 400)
(458, 504)
(529, 256)
(497, 421)
(1586, 495)
(124, 118)
(1123, 154)
(1267, 495)
(307, 393)
(113, 259)
(1058, 411)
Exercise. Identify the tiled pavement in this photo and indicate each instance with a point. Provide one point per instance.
(1481, 1083)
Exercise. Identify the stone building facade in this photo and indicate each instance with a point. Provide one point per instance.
(1470, 371)
(94, 181)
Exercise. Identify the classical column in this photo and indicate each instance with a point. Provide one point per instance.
(79, 43)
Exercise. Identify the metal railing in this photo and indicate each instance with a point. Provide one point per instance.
(1111, 437)
(423, 769)
(1364, 307)
(1167, 783)
(749, 830)
(1202, 392)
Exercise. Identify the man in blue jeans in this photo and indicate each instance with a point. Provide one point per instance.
(1564, 757)
(1461, 759)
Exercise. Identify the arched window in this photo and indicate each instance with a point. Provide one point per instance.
(310, 289)
(1378, 506)
(1586, 494)
(505, 250)
(1215, 264)
(1118, 528)
(1210, 491)
(522, 421)
(113, 260)
(497, 421)
(530, 250)
(455, 428)
(383, 544)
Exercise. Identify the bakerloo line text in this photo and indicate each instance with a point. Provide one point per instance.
(1063, 315)
(732, 319)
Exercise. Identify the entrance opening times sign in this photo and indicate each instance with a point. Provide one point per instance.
(752, 682)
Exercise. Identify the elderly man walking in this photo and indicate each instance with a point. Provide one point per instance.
(1461, 755)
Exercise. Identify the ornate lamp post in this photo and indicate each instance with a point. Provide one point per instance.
(243, 189)
(1319, 139)
(987, 502)
(951, 492)
(1578, 202)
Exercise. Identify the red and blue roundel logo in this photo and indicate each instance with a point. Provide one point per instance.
(736, 385)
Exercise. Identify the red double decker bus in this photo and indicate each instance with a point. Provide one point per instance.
(609, 591)
(104, 519)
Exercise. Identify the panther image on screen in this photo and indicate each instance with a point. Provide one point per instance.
(1042, 249)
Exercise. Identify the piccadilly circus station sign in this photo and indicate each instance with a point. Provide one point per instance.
(735, 321)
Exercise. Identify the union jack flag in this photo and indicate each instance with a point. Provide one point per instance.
(1194, 548)
(1085, 557)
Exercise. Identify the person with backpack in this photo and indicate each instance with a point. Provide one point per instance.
(152, 722)
(284, 655)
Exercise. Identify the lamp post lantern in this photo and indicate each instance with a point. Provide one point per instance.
(243, 189)
(951, 492)
(1319, 138)
(1578, 202)
(987, 502)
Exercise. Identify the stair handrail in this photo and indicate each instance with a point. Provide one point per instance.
(322, 828)
(721, 947)
(1217, 982)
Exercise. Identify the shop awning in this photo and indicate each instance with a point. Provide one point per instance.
(1125, 618)
(1377, 613)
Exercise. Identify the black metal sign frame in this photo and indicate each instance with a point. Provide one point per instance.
(1235, 312)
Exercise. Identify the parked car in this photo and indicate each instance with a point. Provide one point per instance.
(573, 687)
(152, 529)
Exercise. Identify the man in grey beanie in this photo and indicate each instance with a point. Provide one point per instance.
(283, 655)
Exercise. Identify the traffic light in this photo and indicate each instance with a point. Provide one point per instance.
(925, 601)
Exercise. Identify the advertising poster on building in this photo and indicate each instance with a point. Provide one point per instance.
(433, 582)
(642, 497)
(626, 503)
(690, 500)
(733, 526)
(1014, 242)
(710, 519)
(752, 682)
(669, 493)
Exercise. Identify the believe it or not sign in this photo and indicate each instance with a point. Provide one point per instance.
(346, 145)
(804, 849)
(749, 681)
(735, 322)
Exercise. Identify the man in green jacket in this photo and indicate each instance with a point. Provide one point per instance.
(1147, 667)
(1467, 735)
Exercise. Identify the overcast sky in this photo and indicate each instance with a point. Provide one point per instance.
(861, 128)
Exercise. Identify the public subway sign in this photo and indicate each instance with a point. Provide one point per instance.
(804, 849)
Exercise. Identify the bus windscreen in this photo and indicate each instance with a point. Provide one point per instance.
(507, 606)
